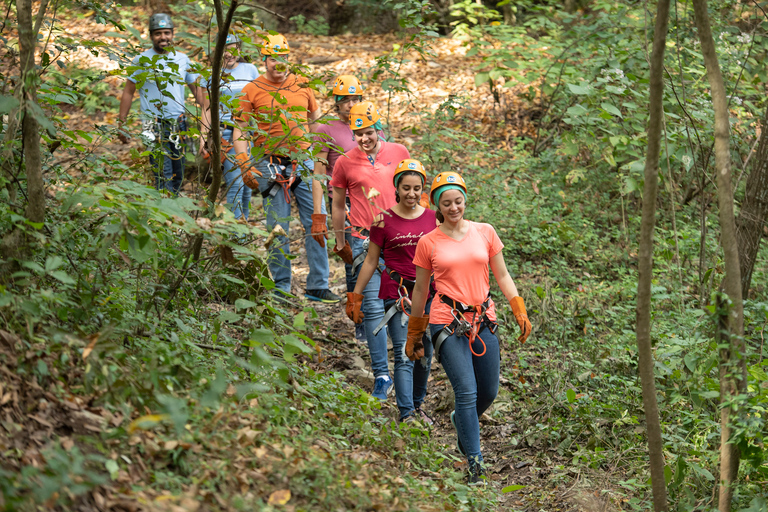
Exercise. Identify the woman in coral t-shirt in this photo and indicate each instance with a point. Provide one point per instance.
(462, 320)
(394, 236)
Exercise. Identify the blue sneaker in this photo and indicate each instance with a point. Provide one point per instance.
(458, 439)
(325, 296)
(382, 387)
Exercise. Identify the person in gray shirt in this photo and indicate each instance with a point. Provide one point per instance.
(161, 73)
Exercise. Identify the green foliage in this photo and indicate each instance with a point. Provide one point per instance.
(316, 26)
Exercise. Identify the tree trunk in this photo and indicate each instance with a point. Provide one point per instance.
(30, 128)
(645, 260)
(754, 210)
(732, 363)
(215, 133)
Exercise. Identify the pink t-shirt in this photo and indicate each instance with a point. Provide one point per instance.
(354, 173)
(338, 133)
(460, 268)
(398, 239)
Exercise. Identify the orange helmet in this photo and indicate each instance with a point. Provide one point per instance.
(363, 115)
(447, 178)
(347, 85)
(275, 44)
(410, 165)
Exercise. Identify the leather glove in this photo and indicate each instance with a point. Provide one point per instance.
(414, 344)
(345, 253)
(248, 171)
(354, 303)
(518, 309)
(424, 201)
(319, 228)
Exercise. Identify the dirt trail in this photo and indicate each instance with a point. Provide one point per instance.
(432, 81)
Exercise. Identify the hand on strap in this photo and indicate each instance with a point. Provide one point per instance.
(354, 303)
(414, 344)
(248, 171)
(319, 228)
(345, 253)
(518, 309)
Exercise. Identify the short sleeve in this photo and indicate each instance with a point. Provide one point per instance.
(495, 245)
(378, 234)
(339, 178)
(135, 62)
(312, 102)
(423, 257)
(190, 77)
(245, 106)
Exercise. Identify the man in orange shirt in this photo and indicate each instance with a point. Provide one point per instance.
(281, 109)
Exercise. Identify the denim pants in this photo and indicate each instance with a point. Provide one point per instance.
(410, 376)
(373, 309)
(238, 195)
(167, 157)
(278, 211)
(475, 382)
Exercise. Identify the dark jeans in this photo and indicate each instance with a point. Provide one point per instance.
(410, 376)
(167, 157)
(475, 382)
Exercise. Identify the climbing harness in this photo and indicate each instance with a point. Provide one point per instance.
(277, 180)
(402, 304)
(463, 327)
(157, 131)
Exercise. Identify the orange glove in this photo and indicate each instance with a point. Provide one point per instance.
(424, 201)
(518, 309)
(225, 147)
(206, 155)
(354, 303)
(345, 253)
(248, 171)
(414, 346)
(319, 228)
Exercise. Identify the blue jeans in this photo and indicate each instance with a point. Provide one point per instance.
(475, 382)
(410, 376)
(278, 211)
(373, 309)
(167, 157)
(238, 195)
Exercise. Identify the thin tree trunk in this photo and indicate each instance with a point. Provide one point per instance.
(30, 128)
(754, 210)
(215, 133)
(732, 362)
(645, 260)
(13, 242)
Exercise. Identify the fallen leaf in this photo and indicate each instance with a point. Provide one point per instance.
(280, 497)
(170, 445)
(93, 339)
(146, 422)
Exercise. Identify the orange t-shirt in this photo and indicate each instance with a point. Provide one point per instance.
(460, 268)
(278, 109)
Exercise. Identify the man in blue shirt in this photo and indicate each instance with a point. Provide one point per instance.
(161, 73)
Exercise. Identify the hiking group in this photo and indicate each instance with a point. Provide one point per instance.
(416, 275)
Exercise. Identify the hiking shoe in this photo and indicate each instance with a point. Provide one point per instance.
(420, 414)
(408, 418)
(458, 439)
(360, 332)
(477, 475)
(326, 296)
(381, 387)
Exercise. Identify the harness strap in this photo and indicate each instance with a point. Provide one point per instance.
(461, 327)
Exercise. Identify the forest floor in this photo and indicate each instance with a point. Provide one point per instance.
(551, 482)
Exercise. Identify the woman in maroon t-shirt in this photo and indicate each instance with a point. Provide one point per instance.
(394, 236)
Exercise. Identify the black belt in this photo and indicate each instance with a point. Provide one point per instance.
(459, 326)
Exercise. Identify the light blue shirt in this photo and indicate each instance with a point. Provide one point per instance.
(162, 72)
(232, 83)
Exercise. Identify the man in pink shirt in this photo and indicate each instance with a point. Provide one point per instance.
(366, 174)
(334, 139)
